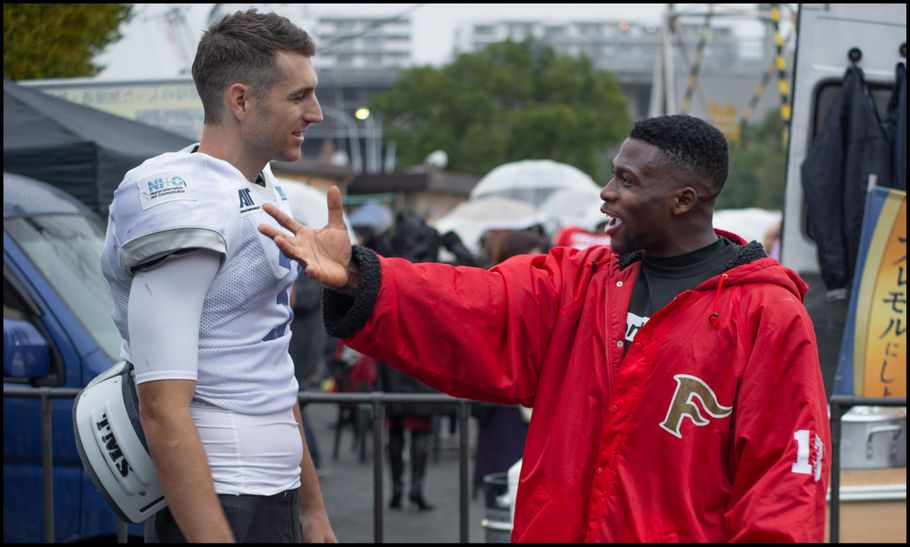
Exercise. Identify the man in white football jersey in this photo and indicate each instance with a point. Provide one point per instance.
(202, 298)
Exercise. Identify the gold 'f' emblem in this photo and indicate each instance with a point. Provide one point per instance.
(688, 387)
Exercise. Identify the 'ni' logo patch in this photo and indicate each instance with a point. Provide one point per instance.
(164, 188)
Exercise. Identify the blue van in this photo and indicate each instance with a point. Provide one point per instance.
(57, 332)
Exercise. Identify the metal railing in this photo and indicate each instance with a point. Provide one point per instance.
(377, 400)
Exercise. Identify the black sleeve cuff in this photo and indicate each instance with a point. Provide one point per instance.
(344, 316)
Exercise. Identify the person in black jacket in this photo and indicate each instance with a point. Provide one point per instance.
(410, 237)
(415, 418)
(502, 429)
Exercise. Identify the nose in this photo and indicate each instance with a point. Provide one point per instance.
(313, 114)
(608, 193)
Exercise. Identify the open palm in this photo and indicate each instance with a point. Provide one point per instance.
(325, 254)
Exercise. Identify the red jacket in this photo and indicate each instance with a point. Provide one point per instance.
(708, 429)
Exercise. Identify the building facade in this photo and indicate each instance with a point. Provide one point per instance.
(730, 70)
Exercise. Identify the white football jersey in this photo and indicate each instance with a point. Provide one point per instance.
(181, 201)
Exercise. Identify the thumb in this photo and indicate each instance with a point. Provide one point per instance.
(336, 217)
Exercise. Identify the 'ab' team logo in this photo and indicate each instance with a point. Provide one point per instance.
(246, 200)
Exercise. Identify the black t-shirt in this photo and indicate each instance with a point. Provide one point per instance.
(662, 279)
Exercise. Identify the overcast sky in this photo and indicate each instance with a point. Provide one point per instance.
(152, 49)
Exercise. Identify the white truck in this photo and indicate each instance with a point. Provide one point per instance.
(826, 33)
(872, 500)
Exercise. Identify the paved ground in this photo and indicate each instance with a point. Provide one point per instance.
(347, 486)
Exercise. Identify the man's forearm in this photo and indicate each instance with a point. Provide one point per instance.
(186, 478)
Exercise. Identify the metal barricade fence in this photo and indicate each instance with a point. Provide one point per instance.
(377, 400)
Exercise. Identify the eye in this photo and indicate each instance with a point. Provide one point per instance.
(621, 177)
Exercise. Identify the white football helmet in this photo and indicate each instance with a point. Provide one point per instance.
(112, 446)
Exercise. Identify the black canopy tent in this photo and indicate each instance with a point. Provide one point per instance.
(79, 149)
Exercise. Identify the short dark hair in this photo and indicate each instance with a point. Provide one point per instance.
(241, 48)
(690, 144)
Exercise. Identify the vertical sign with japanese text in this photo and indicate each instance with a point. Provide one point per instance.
(873, 357)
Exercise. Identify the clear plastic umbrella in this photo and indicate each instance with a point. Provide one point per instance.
(532, 181)
(751, 223)
(472, 218)
(372, 215)
(572, 207)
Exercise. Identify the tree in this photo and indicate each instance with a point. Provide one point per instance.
(508, 102)
(758, 168)
(58, 40)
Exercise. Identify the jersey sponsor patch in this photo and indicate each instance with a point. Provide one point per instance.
(164, 188)
(281, 193)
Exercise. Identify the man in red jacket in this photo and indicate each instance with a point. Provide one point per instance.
(674, 375)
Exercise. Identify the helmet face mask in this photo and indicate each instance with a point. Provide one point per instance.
(112, 446)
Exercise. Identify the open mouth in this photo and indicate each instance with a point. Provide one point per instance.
(613, 225)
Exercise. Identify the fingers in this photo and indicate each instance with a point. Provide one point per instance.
(289, 249)
(336, 217)
(283, 219)
(269, 231)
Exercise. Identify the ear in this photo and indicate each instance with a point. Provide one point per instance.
(238, 97)
(684, 200)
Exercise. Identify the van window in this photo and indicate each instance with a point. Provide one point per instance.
(67, 251)
(828, 93)
(13, 305)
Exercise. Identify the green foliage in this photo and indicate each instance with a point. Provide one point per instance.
(58, 40)
(506, 103)
(758, 166)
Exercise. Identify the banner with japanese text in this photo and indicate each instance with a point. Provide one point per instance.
(873, 357)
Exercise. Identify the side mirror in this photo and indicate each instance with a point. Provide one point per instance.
(26, 354)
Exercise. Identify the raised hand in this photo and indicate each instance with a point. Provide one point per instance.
(325, 254)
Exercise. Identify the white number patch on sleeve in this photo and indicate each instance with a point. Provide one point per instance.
(804, 463)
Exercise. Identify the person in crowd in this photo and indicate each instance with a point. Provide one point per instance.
(673, 375)
(411, 238)
(417, 420)
(202, 299)
(580, 238)
(310, 348)
(502, 429)
(771, 241)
